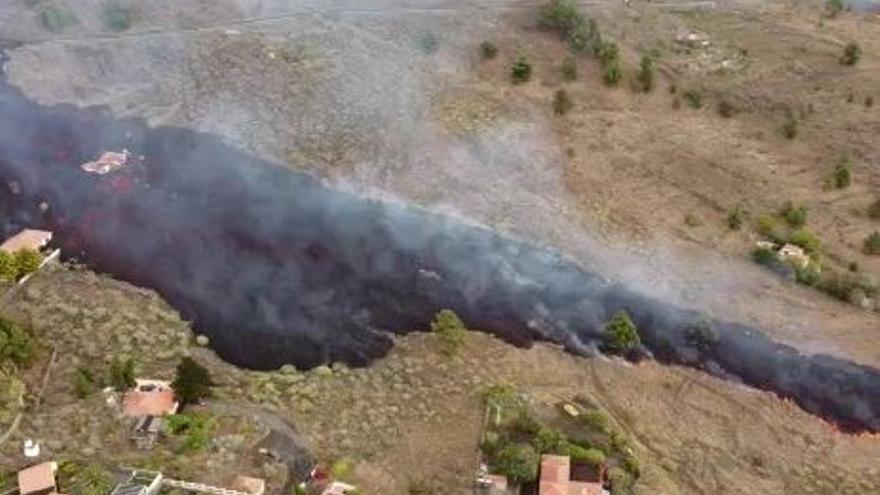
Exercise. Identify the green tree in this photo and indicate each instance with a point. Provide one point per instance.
(83, 383)
(521, 70)
(192, 383)
(851, 54)
(842, 173)
(8, 267)
(27, 261)
(93, 480)
(122, 374)
(519, 462)
(17, 344)
(550, 441)
(194, 427)
(621, 333)
(646, 74)
(591, 456)
(449, 331)
(872, 243)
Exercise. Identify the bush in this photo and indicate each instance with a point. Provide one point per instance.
(808, 275)
(736, 217)
(851, 54)
(562, 103)
(449, 331)
(790, 129)
(595, 419)
(765, 257)
(795, 217)
(694, 97)
(809, 241)
(195, 428)
(874, 210)
(591, 456)
(872, 243)
(585, 37)
(621, 333)
(612, 74)
(56, 18)
(869, 101)
(726, 109)
(117, 18)
(769, 227)
(488, 50)
(621, 481)
(519, 462)
(17, 344)
(700, 335)
(842, 174)
(83, 383)
(549, 441)
(569, 69)
(93, 480)
(562, 15)
(8, 267)
(521, 70)
(27, 261)
(122, 374)
(192, 382)
(645, 76)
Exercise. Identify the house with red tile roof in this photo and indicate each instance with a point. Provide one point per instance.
(149, 398)
(556, 479)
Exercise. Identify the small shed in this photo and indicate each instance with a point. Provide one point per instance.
(38, 479)
(27, 239)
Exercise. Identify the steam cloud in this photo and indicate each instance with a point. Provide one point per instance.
(276, 268)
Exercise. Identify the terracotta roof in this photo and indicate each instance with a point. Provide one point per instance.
(37, 479)
(584, 488)
(27, 239)
(553, 488)
(555, 468)
(149, 398)
(246, 484)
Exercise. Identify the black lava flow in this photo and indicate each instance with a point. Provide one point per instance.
(277, 268)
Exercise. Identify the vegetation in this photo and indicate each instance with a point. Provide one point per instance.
(56, 19)
(562, 103)
(736, 217)
(83, 383)
(595, 419)
(874, 210)
(834, 7)
(577, 28)
(807, 240)
(118, 18)
(521, 70)
(794, 216)
(872, 244)
(518, 461)
(17, 344)
(621, 333)
(807, 275)
(851, 53)
(122, 374)
(645, 76)
(195, 429)
(765, 257)
(700, 335)
(726, 109)
(770, 227)
(609, 57)
(842, 174)
(790, 129)
(192, 382)
(488, 50)
(27, 261)
(8, 268)
(569, 69)
(93, 480)
(449, 331)
(694, 98)
(429, 43)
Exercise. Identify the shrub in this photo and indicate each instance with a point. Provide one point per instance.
(676, 104)
(117, 18)
(736, 217)
(590, 456)
(562, 104)
(521, 70)
(83, 383)
(726, 109)
(488, 50)
(195, 428)
(694, 97)
(621, 333)
(585, 37)
(595, 419)
(612, 74)
(192, 382)
(631, 465)
(765, 257)
(562, 15)
(449, 331)
(874, 210)
(569, 69)
(608, 52)
(645, 76)
(17, 344)
(93, 480)
(809, 241)
(808, 275)
(621, 481)
(122, 374)
(842, 174)
(519, 462)
(834, 7)
(8, 268)
(550, 441)
(851, 53)
(700, 335)
(27, 261)
(790, 129)
(794, 216)
(872, 243)
(769, 227)
(56, 18)
(869, 101)
(839, 286)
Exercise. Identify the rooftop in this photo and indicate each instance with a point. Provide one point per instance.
(37, 479)
(27, 239)
(149, 398)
